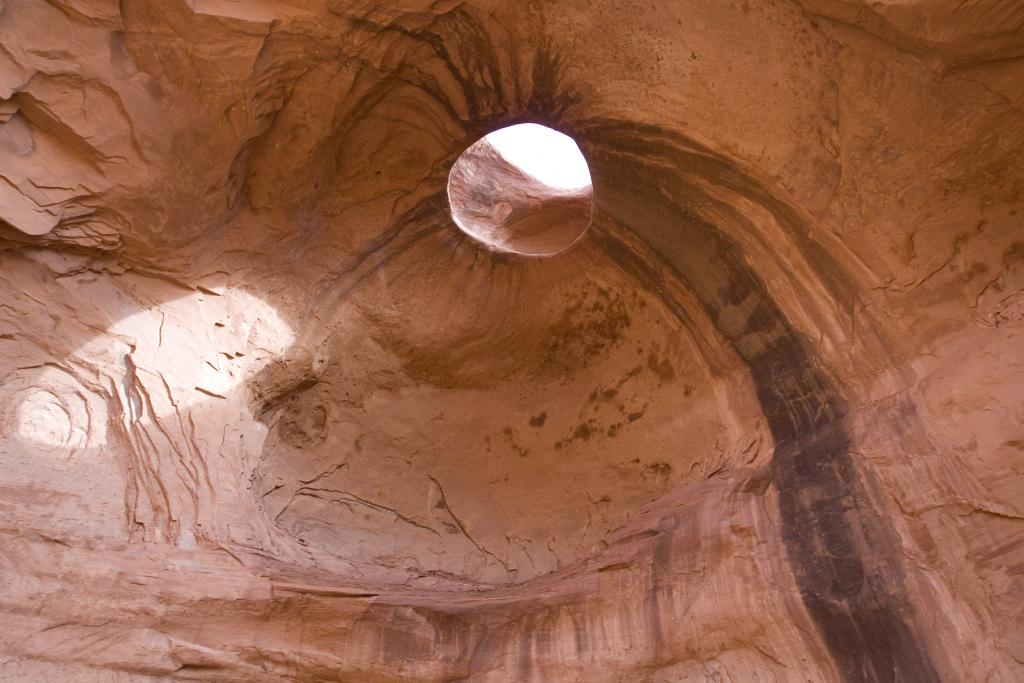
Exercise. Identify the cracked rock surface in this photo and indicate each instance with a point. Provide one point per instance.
(267, 414)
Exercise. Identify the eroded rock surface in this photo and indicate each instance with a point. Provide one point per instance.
(508, 210)
(267, 414)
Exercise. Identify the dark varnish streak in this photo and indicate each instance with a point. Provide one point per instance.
(828, 529)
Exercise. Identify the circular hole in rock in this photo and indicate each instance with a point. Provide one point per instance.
(524, 189)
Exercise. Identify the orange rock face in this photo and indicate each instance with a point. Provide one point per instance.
(267, 414)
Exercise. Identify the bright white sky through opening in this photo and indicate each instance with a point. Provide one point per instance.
(549, 156)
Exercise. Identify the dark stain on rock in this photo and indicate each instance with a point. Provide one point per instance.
(661, 469)
(1013, 254)
(538, 420)
(519, 450)
(590, 325)
(660, 367)
(583, 431)
(828, 528)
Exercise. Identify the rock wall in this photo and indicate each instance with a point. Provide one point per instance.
(266, 414)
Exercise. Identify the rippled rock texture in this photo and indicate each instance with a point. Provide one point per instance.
(266, 414)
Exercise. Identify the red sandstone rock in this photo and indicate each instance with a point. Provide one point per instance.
(266, 413)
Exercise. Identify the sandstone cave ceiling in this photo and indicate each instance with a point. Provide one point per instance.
(746, 409)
